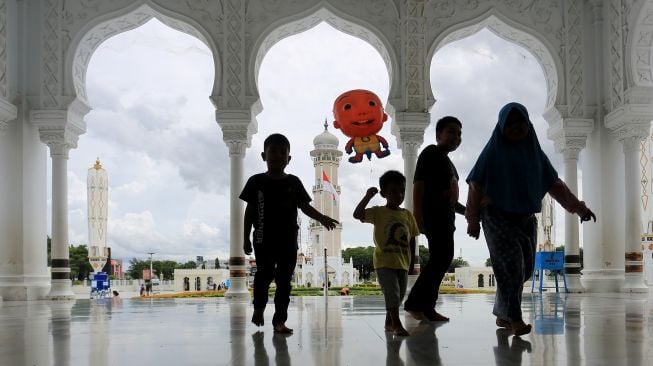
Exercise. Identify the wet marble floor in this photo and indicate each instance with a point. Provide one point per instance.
(573, 329)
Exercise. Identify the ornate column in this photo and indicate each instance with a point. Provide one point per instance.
(59, 146)
(634, 266)
(235, 124)
(60, 130)
(409, 129)
(569, 135)
(630, 124)
(410, 136)
(7, 113)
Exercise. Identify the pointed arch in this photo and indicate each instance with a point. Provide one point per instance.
(343, 22)
(529, 39)
(108, 25)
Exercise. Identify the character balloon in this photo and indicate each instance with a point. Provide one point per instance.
(359, 115)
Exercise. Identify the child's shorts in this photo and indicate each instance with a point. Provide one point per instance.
(393, 284)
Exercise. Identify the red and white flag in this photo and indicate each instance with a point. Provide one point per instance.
(329, 187)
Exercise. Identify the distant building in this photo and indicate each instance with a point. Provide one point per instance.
(310, 268)
(475, 277)
(191, 280)
(116, 269)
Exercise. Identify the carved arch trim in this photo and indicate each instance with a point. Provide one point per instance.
(105, 26)
(300, 22)
(641, 43)
(514, 33)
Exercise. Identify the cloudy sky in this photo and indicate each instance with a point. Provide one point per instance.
(154, 130)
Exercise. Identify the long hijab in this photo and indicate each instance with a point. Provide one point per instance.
(515, 175)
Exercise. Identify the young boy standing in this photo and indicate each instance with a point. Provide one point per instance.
(272, 201)
(435, 203)
(395, 230)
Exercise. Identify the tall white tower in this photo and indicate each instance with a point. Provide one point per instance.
(97, 193)
(326, 192)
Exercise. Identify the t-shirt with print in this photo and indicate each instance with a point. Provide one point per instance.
(393, 231)
(276, 200)
(440, 179)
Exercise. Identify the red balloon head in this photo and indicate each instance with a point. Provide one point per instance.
(358, 113)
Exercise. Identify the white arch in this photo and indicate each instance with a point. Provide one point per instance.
(303, 21)
(510, 31)
(641, 51)
(89, 38)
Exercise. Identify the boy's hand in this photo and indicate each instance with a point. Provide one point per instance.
(474, 230)
(247, 246)
(371, 192)
(328, 222)
(587, 216)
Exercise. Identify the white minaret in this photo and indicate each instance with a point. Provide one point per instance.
(326, 160)
(97, 193)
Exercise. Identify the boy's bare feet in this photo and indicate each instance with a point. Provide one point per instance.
(501, 323)
(434, 316)
(520, 328)
(257, 317)
(388, 323)
(418, 315)
(281, 328)
(400, 331)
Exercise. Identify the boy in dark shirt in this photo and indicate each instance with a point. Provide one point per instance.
(272, 201)
(435, 204)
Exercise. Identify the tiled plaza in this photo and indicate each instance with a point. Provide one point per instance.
(587, 329)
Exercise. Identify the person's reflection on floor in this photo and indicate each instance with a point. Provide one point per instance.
(393, 345)
(282, 356)
(510, 354)
(422, 344)
(260, 354)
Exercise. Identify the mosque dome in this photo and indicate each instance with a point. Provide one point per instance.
(325, 139)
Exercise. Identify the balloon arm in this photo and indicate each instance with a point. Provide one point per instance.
(383, 141)
(348, 147)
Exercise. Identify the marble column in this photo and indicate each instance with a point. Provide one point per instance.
(60, 265)
(570, 135)
(410, 137)
(237, 261)
(572, 246)
(237, 126)
(634, 266)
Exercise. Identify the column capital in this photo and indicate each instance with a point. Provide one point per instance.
(237, 129)
(409, 128)
(630, 124)
(60, 128)
(8, 113)
(569, 134)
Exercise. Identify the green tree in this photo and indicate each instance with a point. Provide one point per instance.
(488, 262)
(457, 262)
(189, 265)
(424, 255)
(167, 269)
(80, 267)
(363, 260)
(217, 263)
(136, 267)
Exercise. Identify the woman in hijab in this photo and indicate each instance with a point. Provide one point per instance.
(506, 188)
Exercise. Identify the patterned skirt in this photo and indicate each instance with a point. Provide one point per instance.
(511, 240)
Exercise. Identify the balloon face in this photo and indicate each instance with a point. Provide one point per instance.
(359, 113)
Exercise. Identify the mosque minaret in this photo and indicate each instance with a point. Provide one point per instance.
(326, 191)
(97, 193)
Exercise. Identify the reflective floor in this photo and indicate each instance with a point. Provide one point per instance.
(590, 329)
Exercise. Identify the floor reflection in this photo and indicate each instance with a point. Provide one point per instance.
(569, 329)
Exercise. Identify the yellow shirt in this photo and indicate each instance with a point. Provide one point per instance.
(393, 231)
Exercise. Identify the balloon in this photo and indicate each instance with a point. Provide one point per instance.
(359, 115)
